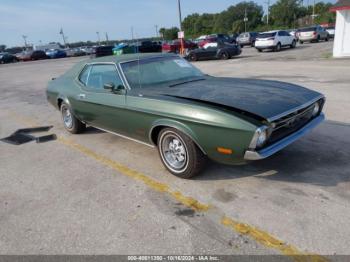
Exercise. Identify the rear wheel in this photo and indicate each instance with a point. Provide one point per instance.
(224, 56)
(294, 43)
(326, 39)
(179, 154)
(259, 50)
(70, 122)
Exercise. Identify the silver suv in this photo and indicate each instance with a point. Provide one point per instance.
(312, 34)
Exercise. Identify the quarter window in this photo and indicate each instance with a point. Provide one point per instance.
(103, 74)
(84, 75)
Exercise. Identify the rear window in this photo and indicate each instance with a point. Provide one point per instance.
(307, 29)
(266, 35)
(244, 35)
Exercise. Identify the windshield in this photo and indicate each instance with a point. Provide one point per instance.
(159, 70)
(266, 35)
(308, 29)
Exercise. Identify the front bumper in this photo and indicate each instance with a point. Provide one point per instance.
(272, 149)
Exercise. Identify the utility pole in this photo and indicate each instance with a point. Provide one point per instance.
(156, 26)
(268, 12)
(132, 33)
(107, 40)
(245, 20)
(63, 37)
(180, 18)
(313, 12)
(25, 40)
(98, 37)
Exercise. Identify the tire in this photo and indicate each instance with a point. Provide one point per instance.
(193, 57)
(224, 56)
(253, 44)
(326, 39)
(318, 39)
(70, 122)
(259, 50)
(301, 42)
(294, 43)
(242, 46)
(278, 47)
(179, 154)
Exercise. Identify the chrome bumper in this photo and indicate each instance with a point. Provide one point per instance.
(270, 150)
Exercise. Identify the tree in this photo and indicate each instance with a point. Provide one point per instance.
(227, 21)
(285, 12)
(169, 33)
(231, 20)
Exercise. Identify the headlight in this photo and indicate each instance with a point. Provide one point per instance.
(316, 109)
(261, 138)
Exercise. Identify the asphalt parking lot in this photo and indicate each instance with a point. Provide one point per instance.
(96, 193)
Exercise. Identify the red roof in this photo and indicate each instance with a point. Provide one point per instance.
(341, 5)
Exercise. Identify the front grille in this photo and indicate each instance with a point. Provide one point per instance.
(291, 123)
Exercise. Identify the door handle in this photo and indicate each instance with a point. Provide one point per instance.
(81, 96)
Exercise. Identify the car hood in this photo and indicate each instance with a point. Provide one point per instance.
(264, 98)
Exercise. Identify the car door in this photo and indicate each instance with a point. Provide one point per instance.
(282, 37)
(98, 106)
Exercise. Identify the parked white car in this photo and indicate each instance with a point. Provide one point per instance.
(331, 31)
(274, 40)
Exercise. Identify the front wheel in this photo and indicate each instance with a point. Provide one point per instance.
(192, 57)
(179, 154)
(70, 122)
(278, 47)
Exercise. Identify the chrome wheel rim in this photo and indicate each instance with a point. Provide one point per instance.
(67, 117)
(174, 152)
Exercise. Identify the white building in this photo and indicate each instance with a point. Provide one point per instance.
(341, 46)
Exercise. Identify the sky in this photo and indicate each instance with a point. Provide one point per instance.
(41, 20)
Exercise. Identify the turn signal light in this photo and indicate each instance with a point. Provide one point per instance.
(225, 151)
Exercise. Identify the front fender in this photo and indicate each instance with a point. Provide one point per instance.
(177, 125)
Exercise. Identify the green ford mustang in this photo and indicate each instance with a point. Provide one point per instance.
(163, 101)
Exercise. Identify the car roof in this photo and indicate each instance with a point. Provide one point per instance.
(125, 57)
(272, 31)
(114, 59)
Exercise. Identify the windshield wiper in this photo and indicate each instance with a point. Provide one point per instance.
(188, 81)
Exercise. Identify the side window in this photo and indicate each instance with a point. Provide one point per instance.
(84, 75)
(103, 74)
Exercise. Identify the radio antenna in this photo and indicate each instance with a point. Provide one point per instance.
(138, 59)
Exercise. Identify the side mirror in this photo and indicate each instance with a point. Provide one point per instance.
(118, 88)
(109, 86)
(113, 88)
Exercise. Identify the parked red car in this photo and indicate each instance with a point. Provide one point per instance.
(174, 46)
(202, 43)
